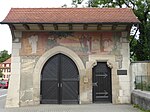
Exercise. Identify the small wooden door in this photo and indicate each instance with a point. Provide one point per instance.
(102, 91)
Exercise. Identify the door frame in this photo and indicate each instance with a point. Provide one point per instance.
(111, 62)
(43, 59)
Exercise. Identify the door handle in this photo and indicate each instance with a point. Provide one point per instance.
(61, 85)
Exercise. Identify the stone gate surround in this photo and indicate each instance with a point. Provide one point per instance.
(43, 59)
(110, 59)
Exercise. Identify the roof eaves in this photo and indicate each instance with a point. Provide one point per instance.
(70, 23)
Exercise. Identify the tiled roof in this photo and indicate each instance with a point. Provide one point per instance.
(70, 15)
(7, 61)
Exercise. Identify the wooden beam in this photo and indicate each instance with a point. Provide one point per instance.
(70, 26)
(41, 27)
(55, 26)
(12, 27)
(99, 26)
(85, 26)
(26, 26)
(128, 27)
(114, 27)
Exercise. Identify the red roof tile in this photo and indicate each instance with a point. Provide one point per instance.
(70, 15)
(7, 61)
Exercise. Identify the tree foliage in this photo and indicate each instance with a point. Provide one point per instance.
(1, 74)
(140, 48)
(4, 55)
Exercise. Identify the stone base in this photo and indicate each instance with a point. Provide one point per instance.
(141, 98)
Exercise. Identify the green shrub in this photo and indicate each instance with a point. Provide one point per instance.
(143, 86)
(138, 107)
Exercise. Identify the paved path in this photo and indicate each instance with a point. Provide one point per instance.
(75, 108)
(3, 92)
(67, 108)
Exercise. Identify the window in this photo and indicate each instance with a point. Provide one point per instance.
(8, 70)
(7, 65)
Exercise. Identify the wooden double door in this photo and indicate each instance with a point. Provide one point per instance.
(59, 81)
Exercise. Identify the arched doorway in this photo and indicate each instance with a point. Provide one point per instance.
(59, 81)
(102, 85)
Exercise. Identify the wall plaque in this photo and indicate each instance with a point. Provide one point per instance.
(121, 72)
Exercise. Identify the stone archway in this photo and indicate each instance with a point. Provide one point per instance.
(43, 59)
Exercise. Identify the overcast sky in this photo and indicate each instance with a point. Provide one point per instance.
(6, 5)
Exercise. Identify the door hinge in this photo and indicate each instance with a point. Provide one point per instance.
(78, 78)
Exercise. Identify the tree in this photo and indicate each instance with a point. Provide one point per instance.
(1, 74)
(4, 55)
(140, 48)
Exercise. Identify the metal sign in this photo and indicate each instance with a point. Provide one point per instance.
(122, 72)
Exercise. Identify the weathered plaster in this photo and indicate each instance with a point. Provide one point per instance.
(26, 89)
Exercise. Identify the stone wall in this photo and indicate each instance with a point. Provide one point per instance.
(26, 85)
(141, 98)
(137, 69)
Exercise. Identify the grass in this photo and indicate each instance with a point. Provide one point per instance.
(138, 107)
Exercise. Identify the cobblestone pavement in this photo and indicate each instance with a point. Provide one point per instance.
(73, 108)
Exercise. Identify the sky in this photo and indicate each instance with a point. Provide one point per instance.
(6, 5)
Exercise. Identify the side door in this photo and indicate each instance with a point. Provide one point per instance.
(102, 83)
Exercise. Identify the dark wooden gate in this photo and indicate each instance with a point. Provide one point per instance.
(102, 91)
(59, 81)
